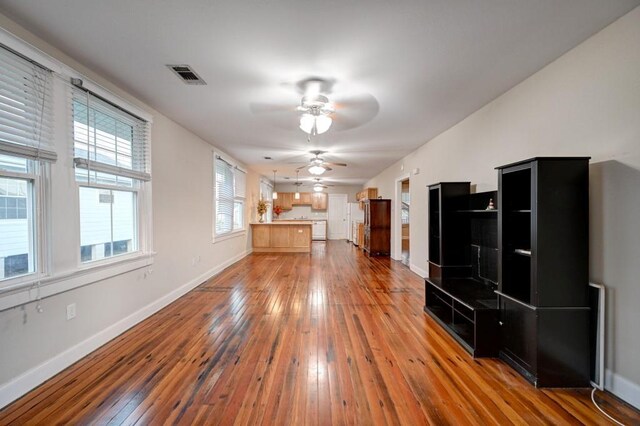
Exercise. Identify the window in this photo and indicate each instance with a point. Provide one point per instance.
(25, 151)
(266, 193)
(230, 188)
(17, 225)
(112, 166)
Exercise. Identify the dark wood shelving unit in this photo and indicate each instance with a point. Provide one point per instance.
(543, 269)
(377, 227)
(459, 292)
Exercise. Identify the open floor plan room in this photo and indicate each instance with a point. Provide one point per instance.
(334, 212)
(332, 338)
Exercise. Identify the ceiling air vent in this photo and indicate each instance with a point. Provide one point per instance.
(186, 74)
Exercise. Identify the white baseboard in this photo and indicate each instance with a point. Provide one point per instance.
(32, 378)
(418, 270)
(623, 388)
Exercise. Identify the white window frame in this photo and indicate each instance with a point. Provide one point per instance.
(217, 237)
(55, 277)
(38, 156)
(143, 211)
(38, 204)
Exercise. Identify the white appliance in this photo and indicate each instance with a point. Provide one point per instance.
(319, 230)
(354, 215)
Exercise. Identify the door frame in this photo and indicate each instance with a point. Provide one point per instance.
(346, 207)
(396, 209)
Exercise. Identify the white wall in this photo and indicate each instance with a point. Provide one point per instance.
(350, 190)
(587, 102)
(36, 344)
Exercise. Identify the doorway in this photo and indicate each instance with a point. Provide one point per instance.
(337, 217)
(405, 218)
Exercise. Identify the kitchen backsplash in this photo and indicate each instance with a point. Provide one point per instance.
(298, 212)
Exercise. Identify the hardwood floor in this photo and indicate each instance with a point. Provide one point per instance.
(331, 338)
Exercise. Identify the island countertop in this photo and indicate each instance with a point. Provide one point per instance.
(281, 237)
(283, 222)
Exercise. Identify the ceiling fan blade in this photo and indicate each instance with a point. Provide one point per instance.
(354, 111)
(334, 164)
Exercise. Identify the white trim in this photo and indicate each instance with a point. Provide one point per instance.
(419, 271)
(623, 388)
(396, 209)
(49, 286)
(22, 384)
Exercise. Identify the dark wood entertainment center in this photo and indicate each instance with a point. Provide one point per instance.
(513, 281)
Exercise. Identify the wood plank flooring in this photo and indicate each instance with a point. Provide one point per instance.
(329, 338)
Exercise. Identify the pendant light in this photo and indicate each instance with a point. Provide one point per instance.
(275, 193)
(297, 194)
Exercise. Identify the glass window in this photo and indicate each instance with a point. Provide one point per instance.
(238, 212)
(230, 185)
(17, 237)
(107, 223)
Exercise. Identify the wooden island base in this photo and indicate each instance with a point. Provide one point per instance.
(281, 237)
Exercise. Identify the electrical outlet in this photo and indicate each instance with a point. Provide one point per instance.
(71, 311)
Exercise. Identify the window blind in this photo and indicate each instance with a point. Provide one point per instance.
(240, 183)
(108, 139)
(26, 91)
(224, 196)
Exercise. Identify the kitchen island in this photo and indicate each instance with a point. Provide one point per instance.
(281, 237)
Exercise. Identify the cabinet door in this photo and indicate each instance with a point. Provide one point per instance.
(305, 199)
(319, 201)
(300, 236)
(518, 333)
(285, 200)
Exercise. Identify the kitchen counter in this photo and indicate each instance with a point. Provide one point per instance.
(283, 236)
(286, 222)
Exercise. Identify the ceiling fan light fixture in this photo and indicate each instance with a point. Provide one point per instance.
(317, 170)
(323, 122)
(317, 187)
(315, 124)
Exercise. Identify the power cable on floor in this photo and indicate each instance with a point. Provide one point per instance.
(601, 410)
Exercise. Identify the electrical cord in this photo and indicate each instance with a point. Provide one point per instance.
(601, 410)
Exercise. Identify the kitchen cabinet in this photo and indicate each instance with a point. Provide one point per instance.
(282, 237)
(319, 201)
(285, 200)
(305, 199)
(366, 194)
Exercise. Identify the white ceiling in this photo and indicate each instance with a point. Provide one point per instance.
(427, 63)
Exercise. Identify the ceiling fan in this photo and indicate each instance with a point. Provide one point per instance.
(318, 186)
(317, 165)
(315, 104)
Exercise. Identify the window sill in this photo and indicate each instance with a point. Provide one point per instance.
(26, 292)
(234, 234)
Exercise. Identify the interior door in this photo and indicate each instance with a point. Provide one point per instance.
(337, 217)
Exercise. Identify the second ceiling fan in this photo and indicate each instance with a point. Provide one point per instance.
(317, 165)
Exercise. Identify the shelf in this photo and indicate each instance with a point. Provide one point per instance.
(520, 211)
(523, 252)
(477, 211)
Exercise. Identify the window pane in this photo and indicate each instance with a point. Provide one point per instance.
(13, 164)
(238, 214)
(16, 227)
(105, 134)
(107, 223)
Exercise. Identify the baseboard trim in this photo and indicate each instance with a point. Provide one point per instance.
(623, 388)
(34, 377)
(418, 270)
